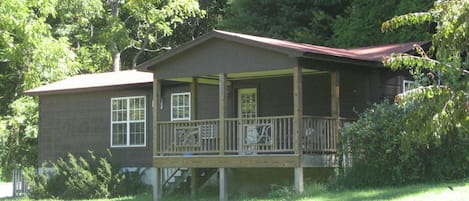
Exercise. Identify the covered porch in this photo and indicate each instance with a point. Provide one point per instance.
(242, 130)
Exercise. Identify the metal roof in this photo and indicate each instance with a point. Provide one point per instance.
(95, 81)
(373, 54)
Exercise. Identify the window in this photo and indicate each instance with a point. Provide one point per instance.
(408, 85)
(180, 106)
(128, 117)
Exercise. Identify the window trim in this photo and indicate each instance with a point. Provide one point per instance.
(128, 121)
(404, 82)
(190, 107)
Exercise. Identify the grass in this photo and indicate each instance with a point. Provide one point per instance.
(317, 192)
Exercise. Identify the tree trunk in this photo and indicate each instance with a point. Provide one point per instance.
(116, 60)
(116, 55)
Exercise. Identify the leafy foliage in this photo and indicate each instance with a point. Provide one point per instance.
(441, 104)
(298, 20)
(383, 152)
(18, 136)
(78, 178)
(360, 24)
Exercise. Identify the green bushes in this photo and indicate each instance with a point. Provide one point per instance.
(76, 178)
(383, 153)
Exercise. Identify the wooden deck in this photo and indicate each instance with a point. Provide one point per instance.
(247, 142)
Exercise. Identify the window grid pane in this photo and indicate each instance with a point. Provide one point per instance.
(128, 121)
(180, 106)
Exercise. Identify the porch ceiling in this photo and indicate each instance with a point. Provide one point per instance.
(213, 79)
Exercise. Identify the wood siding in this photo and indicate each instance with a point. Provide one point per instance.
(76, 123)
(220, 56)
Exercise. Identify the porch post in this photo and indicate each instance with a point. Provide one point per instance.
(298, 125)
(335, 102)
(194, 94)
(223, 184)
(297, 109)
(156, 105)
(335, 94)
(157, 190)
(222, 106)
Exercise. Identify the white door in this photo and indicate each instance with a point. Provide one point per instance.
(247, 103)
(247, 108)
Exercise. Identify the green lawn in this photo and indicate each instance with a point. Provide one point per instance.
(438, 191)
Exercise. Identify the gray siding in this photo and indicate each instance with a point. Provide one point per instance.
(221, 56)
(80, 122)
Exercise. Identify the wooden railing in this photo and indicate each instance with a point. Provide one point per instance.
(246, 136)
(259, 135)
(319, 134)
(187, 137)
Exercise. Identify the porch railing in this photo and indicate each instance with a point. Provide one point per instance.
(245, 136)
(259, 135)
(187, 137)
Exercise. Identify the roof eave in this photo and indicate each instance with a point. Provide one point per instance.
(89, 89)
(345, 60)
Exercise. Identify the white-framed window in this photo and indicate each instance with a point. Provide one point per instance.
(128, 121)
(180, 106)
(408, 85)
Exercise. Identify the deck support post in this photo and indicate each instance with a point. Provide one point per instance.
(299, 184)
(194, 181)
(222, 110)
(157, 188)
(223, 184)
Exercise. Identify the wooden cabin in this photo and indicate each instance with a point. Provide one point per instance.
(225, 104)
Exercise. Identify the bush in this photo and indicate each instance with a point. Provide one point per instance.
(76, 178)
(383, 153)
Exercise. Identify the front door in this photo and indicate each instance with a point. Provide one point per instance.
(247, 109)
(247, 103)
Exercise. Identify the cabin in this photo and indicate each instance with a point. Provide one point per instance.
(225, 107)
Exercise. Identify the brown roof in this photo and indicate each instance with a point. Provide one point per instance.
(372, 54)
(90, 82)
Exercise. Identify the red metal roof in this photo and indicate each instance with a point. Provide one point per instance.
(94, 81)
(371, 53)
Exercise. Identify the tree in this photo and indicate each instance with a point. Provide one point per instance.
(438, 109)
(359, 25)
(298, 20)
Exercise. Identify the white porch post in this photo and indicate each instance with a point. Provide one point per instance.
(298, 125)
(223, 184)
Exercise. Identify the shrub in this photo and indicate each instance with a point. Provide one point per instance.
(77, 178)
(383, 153)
